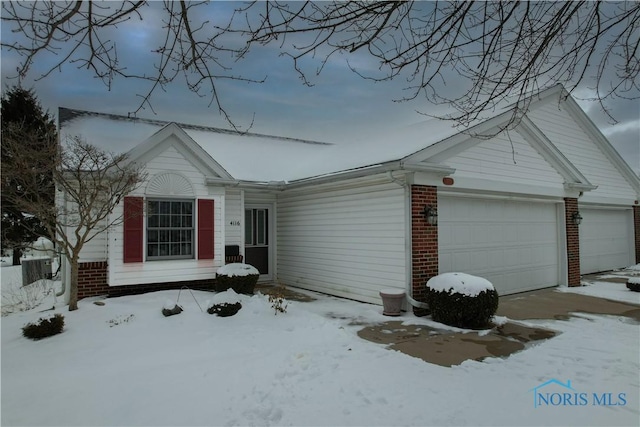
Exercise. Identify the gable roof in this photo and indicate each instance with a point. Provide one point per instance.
(197, 155)
(266, 158)
(246, 156)
(603, 143)
(459, 142)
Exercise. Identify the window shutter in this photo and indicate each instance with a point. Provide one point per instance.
(205, 229)
(133, 229)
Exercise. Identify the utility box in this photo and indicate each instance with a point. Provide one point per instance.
(36, 269)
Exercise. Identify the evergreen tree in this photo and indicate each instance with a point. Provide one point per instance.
(19, 228)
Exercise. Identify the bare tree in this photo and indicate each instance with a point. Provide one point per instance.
(505, 51)
(90, 184)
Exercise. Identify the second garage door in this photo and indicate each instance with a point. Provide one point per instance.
(513, 244)
(605, 239)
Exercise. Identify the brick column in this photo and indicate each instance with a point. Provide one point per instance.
(424, 242)
(636, 227)
(573, 242)
(92, 279)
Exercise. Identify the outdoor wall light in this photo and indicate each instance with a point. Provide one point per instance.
(431, 215)
(576, 218)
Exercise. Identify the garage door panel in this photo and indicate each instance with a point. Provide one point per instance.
(605, 239)
(513, 244)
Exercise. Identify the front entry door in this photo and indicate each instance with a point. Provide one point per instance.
(256, 240)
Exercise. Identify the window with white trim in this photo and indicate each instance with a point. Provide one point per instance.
(170, 229)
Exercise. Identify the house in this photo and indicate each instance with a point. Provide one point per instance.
(352, 219)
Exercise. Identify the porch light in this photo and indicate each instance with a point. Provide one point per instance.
(431, 215)
(576, 218)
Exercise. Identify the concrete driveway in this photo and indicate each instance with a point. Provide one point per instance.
(447, 348)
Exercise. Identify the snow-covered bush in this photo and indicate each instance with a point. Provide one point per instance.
(44, 327)
(224, 304)
(240, 277)
(170, 308)
(461, 300)
(633, 284)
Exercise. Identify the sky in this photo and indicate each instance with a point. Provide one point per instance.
(339, 107)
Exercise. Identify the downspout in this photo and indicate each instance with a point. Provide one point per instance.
(64, 268)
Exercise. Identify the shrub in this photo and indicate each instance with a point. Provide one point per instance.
(224, 309)
(44, 327)
(634, 284)
(176, 309)
(277, 300)
(16, 297)
(242, 278)
(461, 306)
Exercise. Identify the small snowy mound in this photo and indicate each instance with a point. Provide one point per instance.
(227, 297)
(169, 304)
(237, 269)
(461, 283)
(224, 304)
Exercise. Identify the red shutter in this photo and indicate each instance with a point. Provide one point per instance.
(205, 229)
(133, 229)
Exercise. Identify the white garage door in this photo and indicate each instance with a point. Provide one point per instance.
(606, 239)
(513, 244)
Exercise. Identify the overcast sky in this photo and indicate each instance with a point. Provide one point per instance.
(339, 106)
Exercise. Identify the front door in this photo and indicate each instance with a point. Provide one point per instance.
(256, 240)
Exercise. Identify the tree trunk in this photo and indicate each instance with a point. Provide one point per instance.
(73, 285)
(17, 254)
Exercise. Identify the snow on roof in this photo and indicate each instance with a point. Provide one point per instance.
(257, 157)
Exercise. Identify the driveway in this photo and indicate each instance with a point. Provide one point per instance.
(447, 347)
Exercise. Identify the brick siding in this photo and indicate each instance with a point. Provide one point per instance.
(424, 242)
(636, 226)
(573, 242)
(92, 281)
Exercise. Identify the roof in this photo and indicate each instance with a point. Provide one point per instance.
(258, 157)
(263, 158)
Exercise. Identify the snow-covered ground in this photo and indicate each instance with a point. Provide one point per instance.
(125, 364)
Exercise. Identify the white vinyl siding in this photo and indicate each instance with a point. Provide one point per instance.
(170, 160)
(606, 239)
(348, 242)
(513, 244)
(234, 217)
(95, 249)
(258, 198)
(583, 153)
(505, 158)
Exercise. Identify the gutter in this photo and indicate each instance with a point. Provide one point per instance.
(63, 267)
(579, 186)
(334, 177)
(272, 185)
(397, 165)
